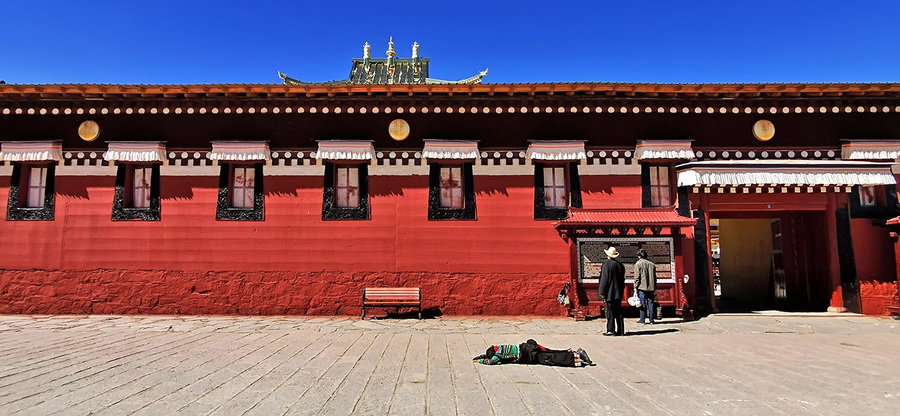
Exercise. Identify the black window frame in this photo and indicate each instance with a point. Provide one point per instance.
(435, 210)
(573, 189)
(330, 210)
(646, 190)
(224, 210)
(15, 212)
(122, 211)
(886, 193)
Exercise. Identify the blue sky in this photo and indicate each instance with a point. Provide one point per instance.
(198, 42)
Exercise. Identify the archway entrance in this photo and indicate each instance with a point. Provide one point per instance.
(773, 261)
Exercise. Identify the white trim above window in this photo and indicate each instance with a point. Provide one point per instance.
(870, 150)
(136, 152)
(450, 149)
(30, 151)
(664, 150)
(345, 150)
(551, 150)
(240, 151)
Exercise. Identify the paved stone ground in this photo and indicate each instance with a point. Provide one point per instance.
(723, 364)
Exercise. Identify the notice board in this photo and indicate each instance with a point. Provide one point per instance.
(659, 249)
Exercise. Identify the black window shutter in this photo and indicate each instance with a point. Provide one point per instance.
(574, 185)
(645, 186)
(539, 190)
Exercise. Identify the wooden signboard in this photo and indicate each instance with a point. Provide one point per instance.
(591, 257)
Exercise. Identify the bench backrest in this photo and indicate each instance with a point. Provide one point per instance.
(391, 294)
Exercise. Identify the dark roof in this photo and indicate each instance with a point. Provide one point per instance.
(229, 91)
(377, 71)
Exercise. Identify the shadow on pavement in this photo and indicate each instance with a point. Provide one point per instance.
(652, 331)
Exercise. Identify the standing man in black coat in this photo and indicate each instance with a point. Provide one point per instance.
(611, 291)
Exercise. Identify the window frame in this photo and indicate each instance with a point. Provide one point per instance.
(648, 187)
(435, 209)
(330, 209)
(572, 188)
(224, 206)
(123, 206)
(886, 203)
(18, 192)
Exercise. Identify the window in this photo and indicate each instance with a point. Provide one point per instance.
(31, 195)
(345, 195)
(451, 192)
(241, 192)
(867, 196)
(137, 193)
(873, 201)
(451, 185)
(346, 187)
(36, 187)
(556, 188)
(242, 187)
(140, 187)
(655, 183)
(555, 193)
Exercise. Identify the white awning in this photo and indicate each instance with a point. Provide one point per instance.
(450, 149)
(30, 151)
(345, 150)
(870, 150)
(136, 152)
(240, 151)
(789, 173)
(664, 149)
(556, 151)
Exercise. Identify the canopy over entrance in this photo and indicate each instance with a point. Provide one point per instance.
(784, 173)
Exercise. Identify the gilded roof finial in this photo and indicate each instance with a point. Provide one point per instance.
(415, 50)
(390, 51)
(367, 50)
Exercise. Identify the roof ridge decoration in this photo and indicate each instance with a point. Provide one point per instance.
(389, 71)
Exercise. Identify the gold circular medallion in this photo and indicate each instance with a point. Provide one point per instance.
(89, 130)
(763, 130)
(399, 129)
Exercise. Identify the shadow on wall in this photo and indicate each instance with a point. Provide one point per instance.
(493, 190)
(280, 188)
(78, 189)
(386, 188)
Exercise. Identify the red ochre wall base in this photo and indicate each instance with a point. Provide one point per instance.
(876, 297)
(268, 293)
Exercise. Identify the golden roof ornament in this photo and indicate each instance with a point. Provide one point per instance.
(390, 61)
(390, 51)
(367, 51)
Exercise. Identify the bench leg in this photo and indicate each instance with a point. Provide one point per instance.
(363, 317)
(420, 313)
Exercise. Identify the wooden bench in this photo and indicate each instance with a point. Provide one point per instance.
(392, 297)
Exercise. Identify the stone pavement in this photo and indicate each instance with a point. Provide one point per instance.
(724, 364)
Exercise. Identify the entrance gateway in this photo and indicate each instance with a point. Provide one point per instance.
(779, 232)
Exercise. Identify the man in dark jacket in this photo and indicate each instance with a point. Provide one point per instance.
(611, 291)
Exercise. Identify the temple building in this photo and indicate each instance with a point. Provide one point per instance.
(291, 198)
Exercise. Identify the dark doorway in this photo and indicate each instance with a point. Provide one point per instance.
(769, 262)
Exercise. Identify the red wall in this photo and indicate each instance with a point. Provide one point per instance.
(875, 266)
(293, 262)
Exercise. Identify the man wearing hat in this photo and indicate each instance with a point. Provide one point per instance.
(611, 291)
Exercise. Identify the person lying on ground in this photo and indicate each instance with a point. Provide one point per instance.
(530, 352)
